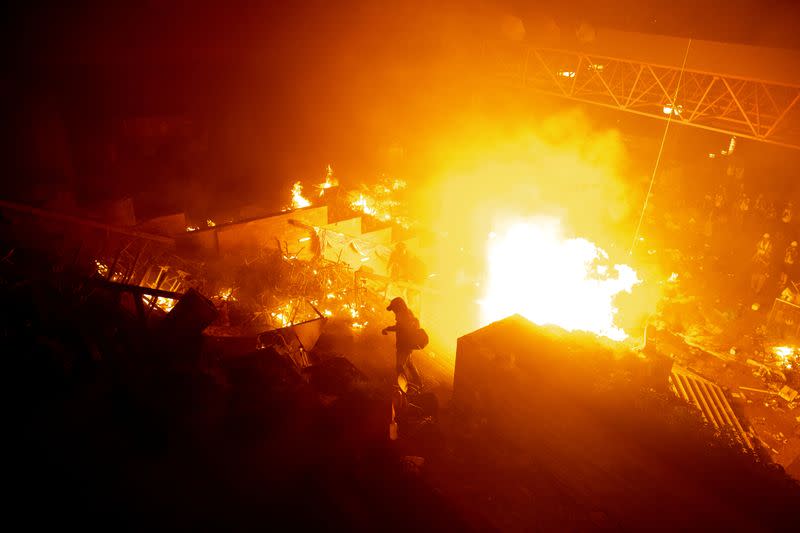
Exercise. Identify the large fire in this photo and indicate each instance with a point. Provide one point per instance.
(298, 200)
(787, 357)
(536, 272)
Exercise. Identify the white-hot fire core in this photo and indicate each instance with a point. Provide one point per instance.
(536, 272)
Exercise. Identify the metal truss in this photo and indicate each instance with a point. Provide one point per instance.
(750, 108)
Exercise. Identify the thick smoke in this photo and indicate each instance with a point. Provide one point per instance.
(563, 167)
(487, 176)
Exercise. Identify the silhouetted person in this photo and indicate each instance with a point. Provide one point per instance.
(789, 267)
(761, 260)
(405, 330)
(316, 246)
(788, 213)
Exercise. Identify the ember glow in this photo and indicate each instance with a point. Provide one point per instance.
(283, 315)
(536, 272)
(101, 267)
(226, 295)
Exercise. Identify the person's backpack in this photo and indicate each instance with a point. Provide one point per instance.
(420, 339)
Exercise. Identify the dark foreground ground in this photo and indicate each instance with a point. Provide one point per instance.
(118, 425)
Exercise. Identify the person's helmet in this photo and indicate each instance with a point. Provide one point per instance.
(766, 236)
(397, 304)
(794, 244)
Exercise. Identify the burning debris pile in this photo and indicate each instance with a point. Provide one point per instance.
(124, 353)
(380, 201)
(261, 274)
(787, 357)
(280, 291)
(106, 403)
(535, 271)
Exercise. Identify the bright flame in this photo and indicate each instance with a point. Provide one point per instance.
(363, 205)
(226, 295)
(534, 271)
(351, 308)
(566, 74)
(298, 200)
(165, 304)
(787, 356)
(282, 316)
(192, 228)
(329, 182)
(210, 223)
(378, 201)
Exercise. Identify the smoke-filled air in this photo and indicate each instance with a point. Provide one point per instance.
(535, 221)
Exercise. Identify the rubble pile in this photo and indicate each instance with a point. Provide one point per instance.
(236, 374)
(130, 424)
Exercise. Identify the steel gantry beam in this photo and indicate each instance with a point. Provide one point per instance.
(750, 108)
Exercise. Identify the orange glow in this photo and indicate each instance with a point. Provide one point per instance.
(787, 356)
(351, 309)
(298, 200)
(210, 223)
(282, 316)
(363, 205)
(226, 295)
(557, 197)
(165, 304)
(329, 182)
(192, 228)
(101, 267)
(379, 201)
(534, 271)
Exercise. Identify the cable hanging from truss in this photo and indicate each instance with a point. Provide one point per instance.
(672, 106)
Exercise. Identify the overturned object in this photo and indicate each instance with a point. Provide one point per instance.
(190, 316)
(296, 341)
